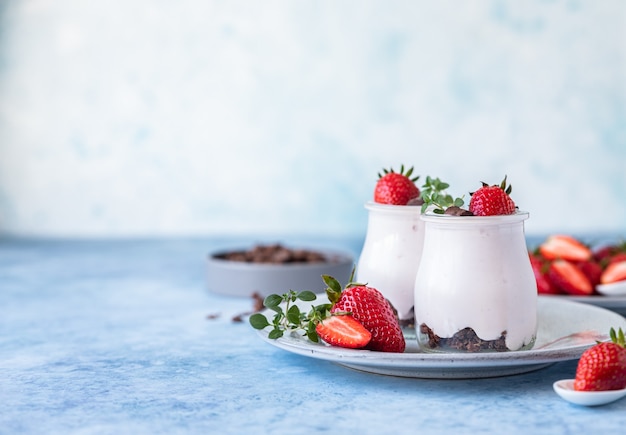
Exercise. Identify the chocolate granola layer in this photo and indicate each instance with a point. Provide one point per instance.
(464, 340)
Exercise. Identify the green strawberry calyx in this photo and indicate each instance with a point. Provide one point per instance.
(503, 185)
(334, 288)
(617, 337)
(407, 174)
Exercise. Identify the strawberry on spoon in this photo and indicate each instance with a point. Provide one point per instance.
(600, 374)
(603, 366)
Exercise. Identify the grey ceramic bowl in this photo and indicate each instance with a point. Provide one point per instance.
(243, 279)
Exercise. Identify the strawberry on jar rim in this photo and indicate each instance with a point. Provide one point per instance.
(396, 188)
(492, 200)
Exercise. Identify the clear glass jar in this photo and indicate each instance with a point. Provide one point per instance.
(391, 253)
(475, 290)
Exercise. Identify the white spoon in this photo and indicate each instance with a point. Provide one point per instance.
(565, 389)
(614, 289)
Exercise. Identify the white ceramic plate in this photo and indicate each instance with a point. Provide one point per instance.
(565, 389)
(565, 330)
(613, 303)
(613, 289)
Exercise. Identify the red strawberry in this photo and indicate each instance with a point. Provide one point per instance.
(614, 272)
(569, 278)
(492, 200)
(606, 253)
(603, 366)
(564, 247)
(591, 269)
(540, 269)
(372, 310)
(396, 188)
(620, 256)
(343, 331)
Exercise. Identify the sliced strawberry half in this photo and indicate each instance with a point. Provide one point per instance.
(343, 331)
(564, 247)
(569, 278)
(540, 269)
(620, 256)
(614, 272)
(592, 270)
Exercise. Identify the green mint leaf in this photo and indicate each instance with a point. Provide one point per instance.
(291, 296)
(258, 321)
(275, 333)
(434, 195)
(277, 319)
(313, 336)
(307, 296)
(293, 315)
(311, 333)
(272, 301)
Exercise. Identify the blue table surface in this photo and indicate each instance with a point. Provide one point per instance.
(121, 336)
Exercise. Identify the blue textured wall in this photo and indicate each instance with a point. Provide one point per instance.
(273, 117)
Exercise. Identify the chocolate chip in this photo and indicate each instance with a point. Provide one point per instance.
(453, 210)
(274, 254)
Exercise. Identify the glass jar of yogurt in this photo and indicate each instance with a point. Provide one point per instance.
(475, 290)
(391, 253)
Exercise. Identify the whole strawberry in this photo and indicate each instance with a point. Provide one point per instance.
(372, 310)
(492, 200)
(396, 188)
(603, 366)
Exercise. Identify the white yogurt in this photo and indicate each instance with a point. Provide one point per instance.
(475, 272)
(391, 253)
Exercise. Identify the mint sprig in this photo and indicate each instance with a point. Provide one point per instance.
(291, 318)
(434, 194)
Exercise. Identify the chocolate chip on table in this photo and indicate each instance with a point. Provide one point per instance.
(257, 305)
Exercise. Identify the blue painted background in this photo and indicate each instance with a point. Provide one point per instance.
(244, 117)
